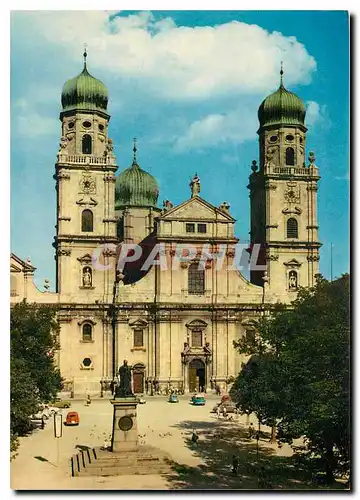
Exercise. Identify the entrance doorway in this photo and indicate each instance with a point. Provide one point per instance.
(197, 379)
(138, 379)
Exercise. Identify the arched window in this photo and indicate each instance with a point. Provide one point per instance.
(87, 221)
(196, 280)
(87, 332)
(290, 156)
(87, 144)
(292, 228)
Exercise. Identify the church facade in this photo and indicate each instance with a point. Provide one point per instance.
(161, 287)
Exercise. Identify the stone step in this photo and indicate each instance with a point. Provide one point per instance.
(125, 456)
(124, 471)
(105, 463)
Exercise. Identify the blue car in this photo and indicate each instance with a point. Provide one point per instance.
(198, 400)
(173, 398)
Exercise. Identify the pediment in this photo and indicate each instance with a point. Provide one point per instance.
(14, 268)
(89, 201)
(20, 265)
(196, 208)
(138, 323)
(196, 323)
(85, 258)
(292, 263)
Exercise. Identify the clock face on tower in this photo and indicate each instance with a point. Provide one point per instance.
(87, 185)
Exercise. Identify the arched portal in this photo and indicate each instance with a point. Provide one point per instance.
(197, 376)
(138, 378)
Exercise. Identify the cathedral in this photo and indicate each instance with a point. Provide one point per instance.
(178, 300)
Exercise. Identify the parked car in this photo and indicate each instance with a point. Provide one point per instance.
(173, 398)
(62, 404)
(72, 418)
(197, 400)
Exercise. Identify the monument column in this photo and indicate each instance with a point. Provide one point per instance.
(124, 431)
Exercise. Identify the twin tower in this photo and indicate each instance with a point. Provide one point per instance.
(91, 201)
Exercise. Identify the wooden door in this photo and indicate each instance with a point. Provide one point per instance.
(192, 379)
(138, 382)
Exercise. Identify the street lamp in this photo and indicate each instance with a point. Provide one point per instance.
(112, 312)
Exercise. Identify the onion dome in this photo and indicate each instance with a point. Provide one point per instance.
(84, 92)
(282, 108)
(135, 188)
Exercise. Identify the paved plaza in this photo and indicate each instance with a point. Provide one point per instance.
(43, 461)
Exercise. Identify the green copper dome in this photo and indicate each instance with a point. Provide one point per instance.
(282, 108)
(135, 188)
(84, 92)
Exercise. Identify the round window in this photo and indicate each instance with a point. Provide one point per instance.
(126, 423)
(71, 125)
(86, 124)
(86, 362)
(101, 127)
(273, 138)
(290, 137)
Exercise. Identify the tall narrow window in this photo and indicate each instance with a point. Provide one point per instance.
(87, 144)
(290, 156)
(196, 338)
(292, 228)
(196, 280)
(138, 337)
(87, 221)
(87, 332)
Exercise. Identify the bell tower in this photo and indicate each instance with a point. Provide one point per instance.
(85, 186)
(283, 192)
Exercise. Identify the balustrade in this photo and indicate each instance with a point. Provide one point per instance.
(86, 159)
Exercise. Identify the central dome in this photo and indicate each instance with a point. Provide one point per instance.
(84, 92)
(136, 188)
(282, 108)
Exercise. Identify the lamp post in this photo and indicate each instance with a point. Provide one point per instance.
(113, 313)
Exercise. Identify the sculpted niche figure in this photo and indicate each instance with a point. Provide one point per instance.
(124, 389)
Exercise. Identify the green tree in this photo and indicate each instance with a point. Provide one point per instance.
(35, 378)
(298, 373)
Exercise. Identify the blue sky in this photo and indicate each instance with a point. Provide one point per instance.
(188, 85)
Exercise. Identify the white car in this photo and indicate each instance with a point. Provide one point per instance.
(49, 411)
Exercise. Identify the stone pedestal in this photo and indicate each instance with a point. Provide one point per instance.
(124, 431)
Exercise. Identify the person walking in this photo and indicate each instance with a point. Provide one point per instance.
(251, 430)
(218, 412)
(224, 412)
(235, 465)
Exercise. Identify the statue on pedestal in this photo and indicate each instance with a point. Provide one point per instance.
(124, 389)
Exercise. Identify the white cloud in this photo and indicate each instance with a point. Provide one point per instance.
(28, 122)
(316, 114)
(235, 126)
(176, 62)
